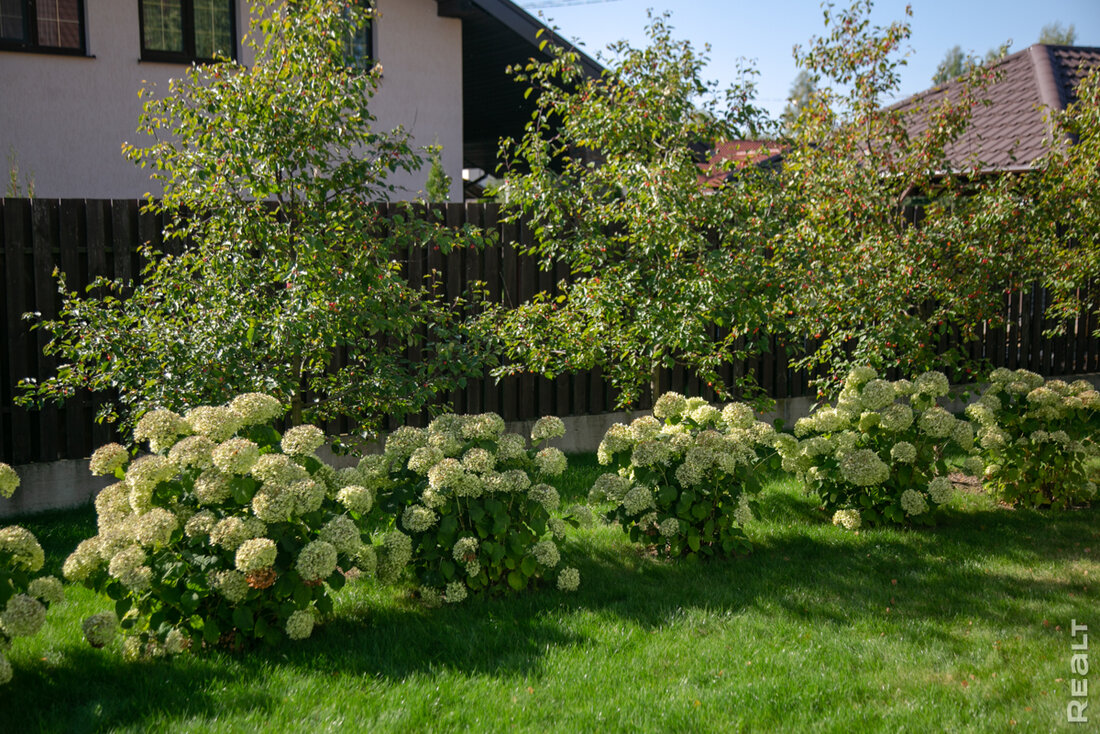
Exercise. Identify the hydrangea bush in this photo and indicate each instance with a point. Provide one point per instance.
(683, 476)
(878, 455)
(473, 513)
(226, 532)
(24, 597)
(1037, 437)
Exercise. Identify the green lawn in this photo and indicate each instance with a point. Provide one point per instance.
(964, 627)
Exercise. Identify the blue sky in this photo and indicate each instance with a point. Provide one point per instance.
(765, 30)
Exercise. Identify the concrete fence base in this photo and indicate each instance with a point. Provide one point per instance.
(65, 484)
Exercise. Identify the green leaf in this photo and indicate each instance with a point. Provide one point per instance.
(242, 618)
(517, 580)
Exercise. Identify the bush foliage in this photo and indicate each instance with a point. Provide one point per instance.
(683, 477)
(24, 596)
(471, 508)
(878, 455)
(1037, 437)
(225, 533)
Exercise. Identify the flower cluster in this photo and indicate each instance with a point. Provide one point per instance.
(682, 476)
(1036, 437)
(24, 597)
(877, 455)
(472, 510)
(225, 532)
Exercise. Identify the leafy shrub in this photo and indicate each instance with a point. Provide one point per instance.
(684, 475)
(24, 598)
(1036, 437)
(472, 513)
(225, 533)
(877, 456)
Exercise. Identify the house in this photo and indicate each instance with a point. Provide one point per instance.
(1011, 132)
(70, 72)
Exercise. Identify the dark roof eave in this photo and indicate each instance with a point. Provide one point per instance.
(520, 22)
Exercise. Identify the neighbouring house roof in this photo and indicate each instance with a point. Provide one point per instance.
(1011, 132)
(738, 154)
(495, 34)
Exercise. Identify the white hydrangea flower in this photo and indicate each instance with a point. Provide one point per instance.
(651, 452)
(617, 439)
(212, 488)
(342, 532)
(670, 406)
(609, 487)
(299, 625)
(216, 422)
(738, 415)
(913, 502)
(868, 420)
(863, 468)
(647, 427)
(308, 496)
(544, 495)
(355, 498)
(193, 452)
(23, 616)
(546, 553)
(23, 547)
(669, 527)
(933, 384)
(99, 629)
(154, 529)
(423, 459)
(256, 408)
(511, 446)
(160, 428)
(83, 561)
(456, 592)
(236, 456)
(478, 461)
(937, 422)
(231, 584)
(255, 554)
(105, 460)
(569, 579)
(904, 452)
(877, 394)
(317, 560)
(273, 503)
(278, 469)
(743, 514)
(46, 588)
(860, 375)
(465, 550)
(547, 428)
(302, 440)
(200, 524)
(638, 500)
(143, 476)
(973, 466)
(940, 490)
(230, 533)
(847, 519)
(483, 427)
(418, 519)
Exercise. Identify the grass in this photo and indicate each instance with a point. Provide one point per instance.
(964, 627)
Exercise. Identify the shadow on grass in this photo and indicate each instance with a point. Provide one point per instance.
(94, 691)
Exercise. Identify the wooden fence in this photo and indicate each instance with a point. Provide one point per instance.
(89, 238)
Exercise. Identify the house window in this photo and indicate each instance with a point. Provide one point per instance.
(52, 26)
(359, 47)
(184, 31)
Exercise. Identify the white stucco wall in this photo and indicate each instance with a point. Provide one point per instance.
(66, 117)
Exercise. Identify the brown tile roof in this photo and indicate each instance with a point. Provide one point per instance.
(740, 153)
(1010, 133)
